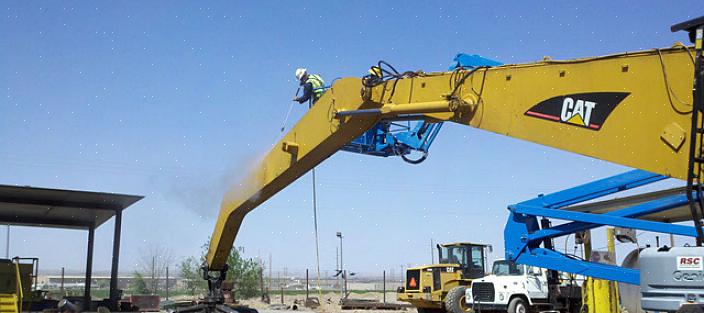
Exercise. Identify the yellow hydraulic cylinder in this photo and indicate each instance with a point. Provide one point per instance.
(614, 300)
(600, 296)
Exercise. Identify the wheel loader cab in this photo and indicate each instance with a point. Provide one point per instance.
(469, 257)
(440, 287)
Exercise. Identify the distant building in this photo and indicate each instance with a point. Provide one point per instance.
(103, 282)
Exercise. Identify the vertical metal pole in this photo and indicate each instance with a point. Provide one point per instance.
(89, 269)
(281, 286)
(553, 276)
(7, 243)
(114, 279)
(432, 252)
(697, 106)
(153, 275)
(342, 269)
(307, 292)
(315, 227)
(338, 270)
(383, 284)
(261, 279)
(62, 282)
(167, 283)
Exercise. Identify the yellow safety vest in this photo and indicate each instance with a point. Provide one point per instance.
(318, 85)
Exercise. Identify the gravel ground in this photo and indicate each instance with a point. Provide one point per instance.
(329, 303)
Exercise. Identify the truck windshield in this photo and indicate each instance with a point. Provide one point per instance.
(506, 268)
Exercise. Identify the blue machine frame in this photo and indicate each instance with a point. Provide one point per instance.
(523, 235)
(391, 138)
(396, 139)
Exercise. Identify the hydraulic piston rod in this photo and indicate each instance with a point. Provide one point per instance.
(391, 110)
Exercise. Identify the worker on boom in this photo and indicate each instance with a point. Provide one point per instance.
(313, 86)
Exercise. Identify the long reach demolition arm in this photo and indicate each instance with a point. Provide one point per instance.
(633, 109)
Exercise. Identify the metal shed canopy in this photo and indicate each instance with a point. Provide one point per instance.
(42, 207)
(674, 215)
(73, 209)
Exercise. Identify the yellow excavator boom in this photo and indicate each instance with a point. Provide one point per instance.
(632, 109)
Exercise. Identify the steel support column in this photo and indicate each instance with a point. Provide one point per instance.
(89, 268)
(114, 292)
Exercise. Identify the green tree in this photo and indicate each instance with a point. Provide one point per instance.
(244, 273)
(190, 271)
(139, 285)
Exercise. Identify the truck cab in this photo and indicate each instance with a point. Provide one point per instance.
(518, 288)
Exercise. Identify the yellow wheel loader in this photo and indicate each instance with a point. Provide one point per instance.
(441, 287)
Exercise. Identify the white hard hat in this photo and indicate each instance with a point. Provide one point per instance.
(300, 72)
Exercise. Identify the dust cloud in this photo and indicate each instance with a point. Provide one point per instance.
(204, 194)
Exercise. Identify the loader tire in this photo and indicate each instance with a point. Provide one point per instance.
(455, 301)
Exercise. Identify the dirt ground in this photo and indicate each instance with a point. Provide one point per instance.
(329, 303)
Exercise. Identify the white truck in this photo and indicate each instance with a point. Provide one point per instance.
(517, 288)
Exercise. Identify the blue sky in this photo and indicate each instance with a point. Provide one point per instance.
(170, 100)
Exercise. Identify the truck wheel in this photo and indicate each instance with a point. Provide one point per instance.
(517, 305)
(455, 301)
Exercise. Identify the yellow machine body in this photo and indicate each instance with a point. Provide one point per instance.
(425, 295)
(427, 286)
(16, 284)
(643, 121)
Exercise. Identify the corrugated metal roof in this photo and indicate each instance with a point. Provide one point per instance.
(43, 207)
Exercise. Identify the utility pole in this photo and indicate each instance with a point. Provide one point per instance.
(383, 279)
(265, 295)
(432, 253)
(167, 283)
(281, 286)
(62, 281)
(315, 228)
(342, 269)
(154, 275)
(307, 292)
